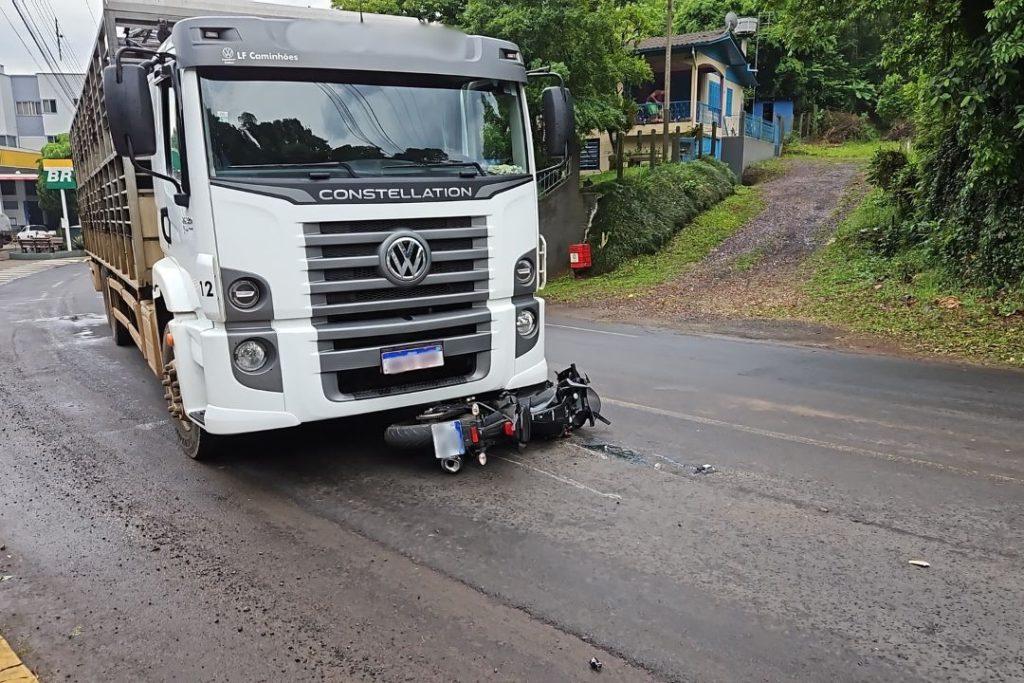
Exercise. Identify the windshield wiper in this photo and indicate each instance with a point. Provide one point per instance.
(440, 164)
(320, 164)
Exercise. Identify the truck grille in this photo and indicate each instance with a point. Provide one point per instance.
(358, 313)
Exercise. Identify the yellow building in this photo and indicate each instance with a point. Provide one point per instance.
(18, 185)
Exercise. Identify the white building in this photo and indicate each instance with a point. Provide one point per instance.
(34, 109)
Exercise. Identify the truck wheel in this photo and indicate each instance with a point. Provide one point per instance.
(121, 335)
(193, 440)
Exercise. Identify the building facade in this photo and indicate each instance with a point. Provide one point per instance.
(709, 78)
(34, 109)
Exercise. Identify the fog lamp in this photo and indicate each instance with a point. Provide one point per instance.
(526, 323)
(251, 355)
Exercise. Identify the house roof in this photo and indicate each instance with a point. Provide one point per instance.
(683, 40)
(720, 38)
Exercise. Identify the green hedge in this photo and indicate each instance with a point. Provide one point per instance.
(640, 214)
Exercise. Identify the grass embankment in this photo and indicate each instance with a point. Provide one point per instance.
(847, 151)
(691, 244)
(905, 299)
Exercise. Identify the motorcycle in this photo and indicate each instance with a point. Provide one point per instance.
(464, 429)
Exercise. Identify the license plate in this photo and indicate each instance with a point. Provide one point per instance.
(417, 358)
(448, 440)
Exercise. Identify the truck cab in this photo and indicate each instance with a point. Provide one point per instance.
(347, 215)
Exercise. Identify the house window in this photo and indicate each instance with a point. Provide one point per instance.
(28, 108)
(49, 106)
(11, 205)
(8, 187)
(51, 138)
(8, 141)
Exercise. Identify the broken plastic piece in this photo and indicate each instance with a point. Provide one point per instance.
(595, 664)
(921, 563)
(704, 469)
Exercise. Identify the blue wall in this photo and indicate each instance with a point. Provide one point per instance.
(783, 108)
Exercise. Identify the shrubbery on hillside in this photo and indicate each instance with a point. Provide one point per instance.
(641, 213)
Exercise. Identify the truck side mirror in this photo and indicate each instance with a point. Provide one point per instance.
(559, 120)
(129, 110)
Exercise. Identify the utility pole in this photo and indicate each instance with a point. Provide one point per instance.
(666, 109)
(56, 30)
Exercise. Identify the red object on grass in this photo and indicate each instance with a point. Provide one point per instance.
(579, 256)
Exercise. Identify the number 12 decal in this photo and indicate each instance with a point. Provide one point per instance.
(206, 288)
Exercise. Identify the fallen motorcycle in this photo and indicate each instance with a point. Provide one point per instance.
(459, 430)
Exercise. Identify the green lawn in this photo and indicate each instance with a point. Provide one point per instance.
(605, 176)
(848, 151)
(905, 299)
(691, 244)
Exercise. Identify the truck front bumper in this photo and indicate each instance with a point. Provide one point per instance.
(214, 396)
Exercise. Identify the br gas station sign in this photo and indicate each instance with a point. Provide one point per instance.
(58, 174)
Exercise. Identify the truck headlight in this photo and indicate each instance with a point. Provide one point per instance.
(524, 271)
(250, 355)
(244, 293)
(526, 323)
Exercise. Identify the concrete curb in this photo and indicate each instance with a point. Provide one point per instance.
(12, 669)
(22, 256)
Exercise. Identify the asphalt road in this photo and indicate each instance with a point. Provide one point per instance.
(316, 553)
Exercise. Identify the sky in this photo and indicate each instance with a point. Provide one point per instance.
(78, 21)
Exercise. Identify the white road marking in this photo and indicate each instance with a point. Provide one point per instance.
(32, 267)
(564, 480)
(587, 329)
(808, 441)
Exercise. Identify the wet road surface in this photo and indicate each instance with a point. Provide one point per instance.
(316, 553)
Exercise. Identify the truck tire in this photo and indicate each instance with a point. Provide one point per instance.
(194, 441)
(120, 335)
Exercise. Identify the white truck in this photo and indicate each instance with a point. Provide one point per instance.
(320, 214)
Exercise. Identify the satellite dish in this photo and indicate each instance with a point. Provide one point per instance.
(731, 20)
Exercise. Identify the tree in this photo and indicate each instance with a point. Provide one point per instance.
(49, 200)
(589, 42)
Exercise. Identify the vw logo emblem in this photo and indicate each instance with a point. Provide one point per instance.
(227, 53)
(404, 258)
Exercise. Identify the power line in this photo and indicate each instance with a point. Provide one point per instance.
(14, 28)
(48, 15)
(45, 52)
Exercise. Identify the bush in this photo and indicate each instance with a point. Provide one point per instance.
(891, 171)
(839, 127)
(640, 214)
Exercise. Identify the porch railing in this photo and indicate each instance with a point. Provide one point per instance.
(708, 114)
(758, 128)
(678, 111)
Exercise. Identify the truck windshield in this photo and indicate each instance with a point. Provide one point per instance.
(364, 126)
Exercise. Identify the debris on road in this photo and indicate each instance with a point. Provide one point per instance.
(595, 664)
(5, 577)
(921, 563)
(618, 451)
(704, 469)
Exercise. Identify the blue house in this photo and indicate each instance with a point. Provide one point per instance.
(708, 79)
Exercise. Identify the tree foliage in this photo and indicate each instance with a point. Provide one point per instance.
(49, 200)
(589, 42)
